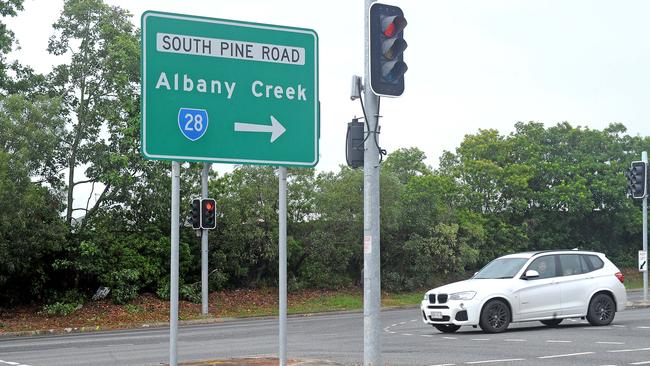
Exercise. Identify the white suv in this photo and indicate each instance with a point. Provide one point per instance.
(547, 286)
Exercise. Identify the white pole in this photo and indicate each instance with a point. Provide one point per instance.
(173, 291)
(371, 259)
(644, 158)
(204, 244)
(282, 243)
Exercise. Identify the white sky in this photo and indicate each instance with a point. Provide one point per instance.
(472, 64)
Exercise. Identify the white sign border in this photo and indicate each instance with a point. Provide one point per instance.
(150, 13)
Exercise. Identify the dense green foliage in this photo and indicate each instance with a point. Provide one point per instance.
(535, 188)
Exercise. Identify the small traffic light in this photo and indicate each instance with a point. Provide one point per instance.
(637, 179)
(196, 213)
(387, 45)
(208, 213)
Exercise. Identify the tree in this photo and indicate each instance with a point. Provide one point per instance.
(98, 88)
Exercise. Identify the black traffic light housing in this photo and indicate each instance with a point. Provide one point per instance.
(354, 148)
(638, 179)
(387, 45)
(196, 213)
(208, 213)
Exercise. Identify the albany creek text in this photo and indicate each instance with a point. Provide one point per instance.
(213, 47)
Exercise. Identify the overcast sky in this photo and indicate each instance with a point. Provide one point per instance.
(472, 64)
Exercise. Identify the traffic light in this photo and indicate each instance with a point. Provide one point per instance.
(196, 213)
(637, 179)
(387, 45)
(208, 213)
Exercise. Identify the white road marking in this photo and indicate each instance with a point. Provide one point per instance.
(643, 327)
(402, 323)
(407, 334)
(449, 337)
(552, 341)
(493, 361)
(414, 320)
(640, 363)
(427, 335)
(566, 355)
(619, 326)
(445, 364)
(629, 350)
(480, 339)
(394, 325)
(515, 340)
(619, 343)
(598, 328)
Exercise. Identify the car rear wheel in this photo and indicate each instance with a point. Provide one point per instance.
(601, 310)
(447, 328)
(551, 322)
(495, 317)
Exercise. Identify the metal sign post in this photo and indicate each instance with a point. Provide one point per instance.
(173, 283)
(371, 247)
(204, 244)
(644, 158)
(283, 264)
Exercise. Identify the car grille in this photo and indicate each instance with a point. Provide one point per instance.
(442, 298)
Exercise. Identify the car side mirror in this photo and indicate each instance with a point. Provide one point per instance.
(531, 274)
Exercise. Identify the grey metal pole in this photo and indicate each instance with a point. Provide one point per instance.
(173, 291)
(644, 158)
(283, 264)
(204, 244)
(371, 259)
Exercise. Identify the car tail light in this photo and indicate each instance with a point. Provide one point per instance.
(620, 277)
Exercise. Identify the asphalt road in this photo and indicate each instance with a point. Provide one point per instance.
(339, 337)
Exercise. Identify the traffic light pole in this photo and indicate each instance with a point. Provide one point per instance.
(644, 158)
(282, 243)
(173, 283)
(371, 259)
(204, 244)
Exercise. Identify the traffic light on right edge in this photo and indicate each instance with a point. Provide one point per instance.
(638, 179)
(208, 213)
(387, 45)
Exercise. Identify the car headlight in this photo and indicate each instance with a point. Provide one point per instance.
(426, 297)
(465, 295)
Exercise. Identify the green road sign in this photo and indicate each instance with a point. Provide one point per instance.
(226, 91)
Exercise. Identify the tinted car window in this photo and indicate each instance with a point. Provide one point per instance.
(544, 265)
(596, 263)
(570, 264)
(586, 267)
(501, 268)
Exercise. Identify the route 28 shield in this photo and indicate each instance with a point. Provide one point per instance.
(193, 122)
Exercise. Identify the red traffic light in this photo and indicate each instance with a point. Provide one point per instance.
(209, 206)
(393, 25)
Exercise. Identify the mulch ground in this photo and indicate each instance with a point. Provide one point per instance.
(146, 310)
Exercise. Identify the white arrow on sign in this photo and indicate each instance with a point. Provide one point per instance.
(276, 129)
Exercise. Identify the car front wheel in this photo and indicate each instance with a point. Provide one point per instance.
(495, 316)
(601, 310)
(447, 328)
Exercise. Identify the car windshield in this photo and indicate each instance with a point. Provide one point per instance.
(501, 268)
